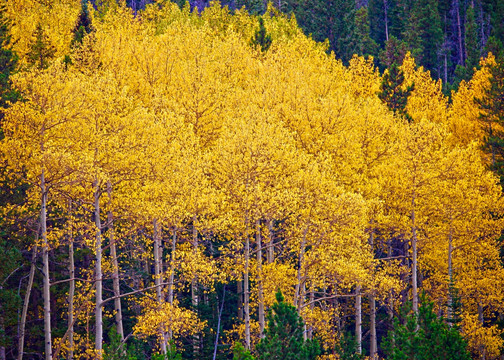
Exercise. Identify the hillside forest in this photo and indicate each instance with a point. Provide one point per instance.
(219, 181)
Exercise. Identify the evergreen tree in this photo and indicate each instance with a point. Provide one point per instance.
(12, 191)
(8, 63)
(424, 34)
(41, 50)
(347, 348)
(333, 20)
(284, 335)
(256, 7)
(425, 337)
(240, 353)
(492, 115)
(393, 93)
(261, 38)
(344, 26)
(394, 52)
(83, 26)
(472, 47)
(364, 44)
(378, 12)
(398, 14)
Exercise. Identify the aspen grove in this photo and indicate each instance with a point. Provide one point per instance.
(166, 172)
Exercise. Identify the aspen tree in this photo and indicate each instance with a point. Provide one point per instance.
(34, 138)
(247, 160)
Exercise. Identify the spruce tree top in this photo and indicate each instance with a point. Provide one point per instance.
(284, 335)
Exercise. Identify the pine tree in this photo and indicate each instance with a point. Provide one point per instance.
(284, 335)
(83, 26)
(393, 93)
(472, 47)
(364, 44)
(424, 34)
(394, 52)
(492, 115)
(425, 337)
(8, 62)
(240, 353)
(41, 50)
(261, 38)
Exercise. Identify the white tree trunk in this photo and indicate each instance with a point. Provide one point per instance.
(26, 301)
(246, 294)
(414, 275)
(358, 319)
(172, 274)
(260, 295)
(115, 268)
(45, 260)
(373, 346)
(271, 245)
(194, 289)
(71, 294)
(158, 273)
(98, 274)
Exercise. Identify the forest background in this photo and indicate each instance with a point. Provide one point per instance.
(166, 168)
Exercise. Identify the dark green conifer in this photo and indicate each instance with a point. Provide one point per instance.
(425, 337)
(261, 37)
(492, 104)
(240, 353)
(283, 338)
(393, 93)
(364, 44)
(41, 50)
(8, 63)
(83, 26)
(472, 46)
(424, 34)
(394, 52)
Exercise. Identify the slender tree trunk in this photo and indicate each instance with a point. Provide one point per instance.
(460, 41)
(358, 319)
(260, 290)
(71, 294)
(2, 348)
(373, 346)
(270, 254)
(414, 275)
(297, 293)
(239, 290)
(385, 20)
(158, 268)
(171, 279)
(450, 277)
(312, 306)
(194, 288)
(246, 294)
(490, 133)
(445, 67)
(390, 307)
(219, 322)
(482, 349)
(98, 273)
(172, 267)
(26, 301)
(115, 267)
(45, 259)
